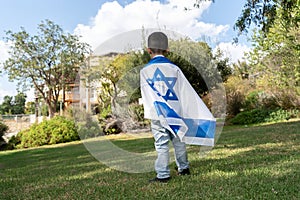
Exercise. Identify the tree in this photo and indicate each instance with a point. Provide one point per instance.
(263, 13)
(197, 63)
(30, 108)
(275, 57)
(19, 104)
(223, 65)
(6, 106)
(241, 69)
(47, 61)
(13, 105)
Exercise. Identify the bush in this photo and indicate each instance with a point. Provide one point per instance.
(3, 129)
(136, 112)
(53, 131)
(262, 115)
(280, 114)
(106, 112)
(252, 100)
(88, 127)
(236, 91)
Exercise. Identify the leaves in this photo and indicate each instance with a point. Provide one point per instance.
(46, 61)
(13, 105)
(263, 13)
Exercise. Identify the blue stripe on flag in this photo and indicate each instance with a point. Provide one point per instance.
(164, 110)
(175, 128)
(200, 128)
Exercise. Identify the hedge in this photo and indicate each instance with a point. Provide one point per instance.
(56, 130)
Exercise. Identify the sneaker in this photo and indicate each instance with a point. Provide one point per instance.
(162, 180)
(184, 172)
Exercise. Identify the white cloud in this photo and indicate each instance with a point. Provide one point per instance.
(113, 19)
(233, 51)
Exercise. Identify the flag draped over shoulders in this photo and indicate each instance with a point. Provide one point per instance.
(168, 97)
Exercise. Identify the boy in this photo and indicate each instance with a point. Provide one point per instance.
(160, 98)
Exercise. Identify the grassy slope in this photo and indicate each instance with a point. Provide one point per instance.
(260, 162)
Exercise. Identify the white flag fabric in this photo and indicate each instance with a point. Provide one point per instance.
(168, 96)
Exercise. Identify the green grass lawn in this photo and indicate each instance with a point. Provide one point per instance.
(257, 162)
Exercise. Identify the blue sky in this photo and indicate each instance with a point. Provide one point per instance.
(96, 19)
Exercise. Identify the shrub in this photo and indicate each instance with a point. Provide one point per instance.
(3, 129)
(106, 112)
(236, 90)
(252, 100)
(13, 142)
(280, 114)
(88, 127)
(250, 117)
(136, 120)
(136, 112)
(263, 115)
(53, 131)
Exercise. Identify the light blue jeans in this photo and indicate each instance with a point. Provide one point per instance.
(162, 137)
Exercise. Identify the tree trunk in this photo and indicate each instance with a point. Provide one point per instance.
(36, 109)
(51, 109)
(51, 104)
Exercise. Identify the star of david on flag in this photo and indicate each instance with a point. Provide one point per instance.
(163, 85)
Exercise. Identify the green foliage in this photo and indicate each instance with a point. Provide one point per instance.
(259, 99)
(12, 143)
(53, 131)
(49, 59)
(280, 115)
(263, 115)
(137, 112)
(105, 112)
(197, 63)
(5, 107)
(111, 131)
(274, 60)
(13, 105)
(190, 72)
(236, 91)
(241, 69)
(252, 100)
(3, 129)
(88, 127)
(263, 14)
(30, 108)
(251, 117)
(223, 65)
(19, 104)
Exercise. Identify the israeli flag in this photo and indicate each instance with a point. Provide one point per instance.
(168, 97)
